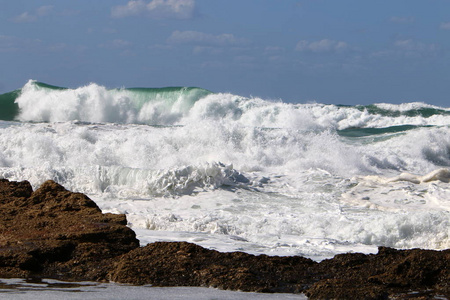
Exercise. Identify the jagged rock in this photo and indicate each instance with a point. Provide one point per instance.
(54, 233)
(390, 272)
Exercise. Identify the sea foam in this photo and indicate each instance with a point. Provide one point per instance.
(237, 173)
(181, 106)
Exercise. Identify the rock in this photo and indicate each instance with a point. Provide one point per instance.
(54, 233)
(389, 273)
(186, 264)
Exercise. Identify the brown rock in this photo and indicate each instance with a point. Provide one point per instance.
(56, 233)
(186, 264)
(390, 272)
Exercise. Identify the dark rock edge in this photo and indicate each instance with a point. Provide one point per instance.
(58, 234)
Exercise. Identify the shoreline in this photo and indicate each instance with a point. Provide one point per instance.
(54, 233)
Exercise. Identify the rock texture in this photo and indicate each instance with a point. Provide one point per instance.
(390, 274)
(54, 233)
(186, 264)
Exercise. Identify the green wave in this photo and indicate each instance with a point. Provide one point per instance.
(362, 132)
(168, 94)
(425, 112)
(9, 110)
(48, 86)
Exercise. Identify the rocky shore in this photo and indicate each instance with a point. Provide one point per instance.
(55, 233)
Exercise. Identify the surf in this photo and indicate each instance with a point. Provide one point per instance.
(232, 171)
(173, 106)
(41, 102)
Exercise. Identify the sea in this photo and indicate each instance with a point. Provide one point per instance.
(236, 173)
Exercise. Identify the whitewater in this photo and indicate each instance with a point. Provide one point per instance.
(234, 173)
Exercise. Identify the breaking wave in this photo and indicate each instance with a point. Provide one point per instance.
(39, 102)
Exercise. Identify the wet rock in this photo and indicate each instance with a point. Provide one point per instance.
(412, 273)
(186, 264)
(56, 233)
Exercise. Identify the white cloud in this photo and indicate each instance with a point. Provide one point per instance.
(206, 39)
(322, 46)
(158, 9)
(25, 17)
(403, 20)
(445, 26)
(413, 46)
(131, 9)
(28, 17)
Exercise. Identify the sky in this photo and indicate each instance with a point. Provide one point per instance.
(329, 51)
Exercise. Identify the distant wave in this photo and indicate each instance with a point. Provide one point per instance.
(171, 106)
(415, 109)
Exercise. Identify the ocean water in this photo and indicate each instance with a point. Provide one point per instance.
(234, 173)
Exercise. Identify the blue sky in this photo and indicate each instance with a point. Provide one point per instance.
(329, 51)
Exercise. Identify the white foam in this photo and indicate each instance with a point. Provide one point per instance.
(268, 177)
(436, 175)
(439, 174)
(306, 117)
(91, 103)
(403, 107)
(94, 103)
(310, 219)
(403, 192)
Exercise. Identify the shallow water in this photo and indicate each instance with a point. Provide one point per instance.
(53, 289)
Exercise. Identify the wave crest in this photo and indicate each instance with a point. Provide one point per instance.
(39, 102)
(93, 103)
